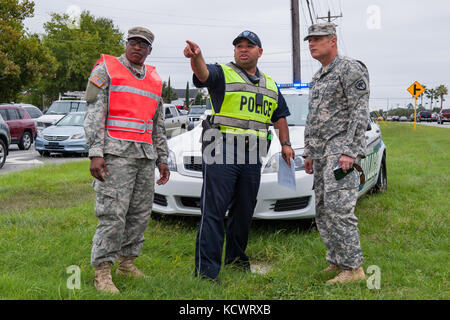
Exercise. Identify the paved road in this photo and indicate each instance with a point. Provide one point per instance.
(19, 160)
(434, 124)
(431, 124)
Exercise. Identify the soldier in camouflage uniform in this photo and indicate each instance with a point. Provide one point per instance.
(335, 137)
(123, 169)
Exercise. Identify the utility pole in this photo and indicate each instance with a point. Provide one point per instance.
(329, 17)
(295, 22)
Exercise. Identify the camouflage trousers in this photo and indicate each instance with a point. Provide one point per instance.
(123, 205)
(335, 218)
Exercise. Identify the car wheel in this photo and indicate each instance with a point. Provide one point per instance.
(381, 184)
(44, 153)
(26, 141)
(158, 216)
(2, 153)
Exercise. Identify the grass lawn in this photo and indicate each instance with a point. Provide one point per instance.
(47, 223)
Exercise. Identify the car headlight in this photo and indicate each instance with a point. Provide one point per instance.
(272, 164)
(172, 161)
(39, 133)
(77, 136)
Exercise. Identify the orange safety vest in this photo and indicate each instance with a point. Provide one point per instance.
(132, 102)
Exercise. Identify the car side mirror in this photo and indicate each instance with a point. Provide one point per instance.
(169, 115)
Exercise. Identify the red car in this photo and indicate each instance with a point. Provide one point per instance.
(21, 125)
(444, 116)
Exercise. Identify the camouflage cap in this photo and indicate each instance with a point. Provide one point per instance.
(140, 32)
(321, 29)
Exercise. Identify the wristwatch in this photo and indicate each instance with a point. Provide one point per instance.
(286, 143)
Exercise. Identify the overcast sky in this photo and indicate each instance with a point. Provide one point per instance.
(399, 41)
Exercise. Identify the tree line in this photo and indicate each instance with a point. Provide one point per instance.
(36, 68)
(434, 94)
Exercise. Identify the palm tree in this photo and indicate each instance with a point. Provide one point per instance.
(431, 94)
(421, 96)
(441, 91)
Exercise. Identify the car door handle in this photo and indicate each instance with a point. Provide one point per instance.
(367, 137)
(378, 131)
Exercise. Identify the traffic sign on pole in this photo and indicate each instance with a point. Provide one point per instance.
(416, 89)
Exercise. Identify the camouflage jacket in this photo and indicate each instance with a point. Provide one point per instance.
(98, 140)
(338, 110)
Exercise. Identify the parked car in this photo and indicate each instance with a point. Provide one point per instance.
(22, 128)
(434, 116)
(424, 116)
(181, 195)
(175, 122)
(65, 136)
(389, 118)
(195, 114)
(57, 110)
(444, 116)
(403, 118)
(411, 117)
(5, 140)
(395, 118)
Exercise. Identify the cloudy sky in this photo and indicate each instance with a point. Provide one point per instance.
(399, 41)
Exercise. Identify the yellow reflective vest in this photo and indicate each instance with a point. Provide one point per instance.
(247, 108)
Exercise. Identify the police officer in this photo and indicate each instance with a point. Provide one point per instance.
(244, 102)
(125, 134)
(335, 138)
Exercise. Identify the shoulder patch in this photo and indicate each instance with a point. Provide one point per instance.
(361, 85)
(97, 81)
(361, 63)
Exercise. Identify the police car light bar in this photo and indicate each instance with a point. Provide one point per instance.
(293, 85)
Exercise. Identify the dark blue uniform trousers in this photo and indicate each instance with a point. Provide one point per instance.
(226, 186)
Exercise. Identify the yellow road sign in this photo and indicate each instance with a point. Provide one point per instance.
(416, 89)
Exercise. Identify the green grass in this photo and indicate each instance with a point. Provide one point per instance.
(47, 223)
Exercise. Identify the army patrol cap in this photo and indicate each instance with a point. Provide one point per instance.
(143, 33)
(321, 29)
(250, 36)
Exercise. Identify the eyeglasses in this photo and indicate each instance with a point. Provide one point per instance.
(142, 44)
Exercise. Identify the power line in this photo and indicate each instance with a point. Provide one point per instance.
(167, 14)
(309, 9)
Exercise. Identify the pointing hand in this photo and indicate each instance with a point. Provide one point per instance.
(192, 50)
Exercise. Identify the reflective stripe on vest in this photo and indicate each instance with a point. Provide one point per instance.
(132, 102)
(129, 124)
(239, 113)
(240, 123)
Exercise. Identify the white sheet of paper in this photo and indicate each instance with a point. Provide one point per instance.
(286, 175)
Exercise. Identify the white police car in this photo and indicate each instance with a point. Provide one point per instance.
(181, 195)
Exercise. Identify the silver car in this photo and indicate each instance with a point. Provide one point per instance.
(64, 136)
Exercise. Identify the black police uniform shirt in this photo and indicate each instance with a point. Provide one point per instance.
(216, 86)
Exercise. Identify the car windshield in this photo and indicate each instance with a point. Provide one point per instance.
(298, 107)
(33, 112)
(197, 111)
(75, 119)
(445, 111)
(64, 107)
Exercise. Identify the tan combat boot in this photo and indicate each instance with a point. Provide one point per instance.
(127, 267)
(351, 275)
(103, 281)
(332, 268)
